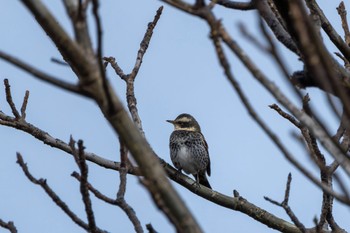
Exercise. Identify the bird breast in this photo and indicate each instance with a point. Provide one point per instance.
(186, 161)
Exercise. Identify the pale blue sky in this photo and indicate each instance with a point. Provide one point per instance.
(180, 73)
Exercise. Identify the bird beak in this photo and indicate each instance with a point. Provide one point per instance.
(170, 121)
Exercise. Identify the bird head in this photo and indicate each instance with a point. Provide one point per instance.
(185, 122)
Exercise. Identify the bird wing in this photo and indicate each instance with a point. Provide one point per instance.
(206, 148)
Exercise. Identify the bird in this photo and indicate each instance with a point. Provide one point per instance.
(189, 149)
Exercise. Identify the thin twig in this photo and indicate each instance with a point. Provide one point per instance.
(150, 228)
(145, 43)
(95, 6)
(8, 225)
(118, 70)
(236, 5)
(24, 105)
(9, 99)
(59, 61)
(285, 115)
(284, 204)
(79, 156)
(120, 200)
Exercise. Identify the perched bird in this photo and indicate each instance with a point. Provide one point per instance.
(188, 148)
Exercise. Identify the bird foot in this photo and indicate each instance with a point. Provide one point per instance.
(196, 186)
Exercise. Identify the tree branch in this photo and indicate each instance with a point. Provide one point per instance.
(79, 157)
(8, 225)
(284, 204)
(55, 198)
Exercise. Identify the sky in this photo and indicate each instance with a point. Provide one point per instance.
(179, 74)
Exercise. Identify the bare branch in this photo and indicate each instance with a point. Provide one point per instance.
(118, 70)
(9, 99)
(59, 144)
(79, 157)
(285, 115)
(145, 43)
(95, 6)
(24, 105)
(119, 201)
(55, 198)
(284, 204)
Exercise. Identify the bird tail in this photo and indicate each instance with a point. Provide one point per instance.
(202, 179)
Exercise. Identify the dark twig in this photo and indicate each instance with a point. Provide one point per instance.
(85, 186)
(236, 5)
(285, 115)
(8, 225)
(118, 70)
(24, 105)
(284, 204)
(120, 200)
(80, 159)
(12, 105)
(9, 99)
(95, 6)
(55, 198)
(218, 198)
(150, 228)
(59, 61)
